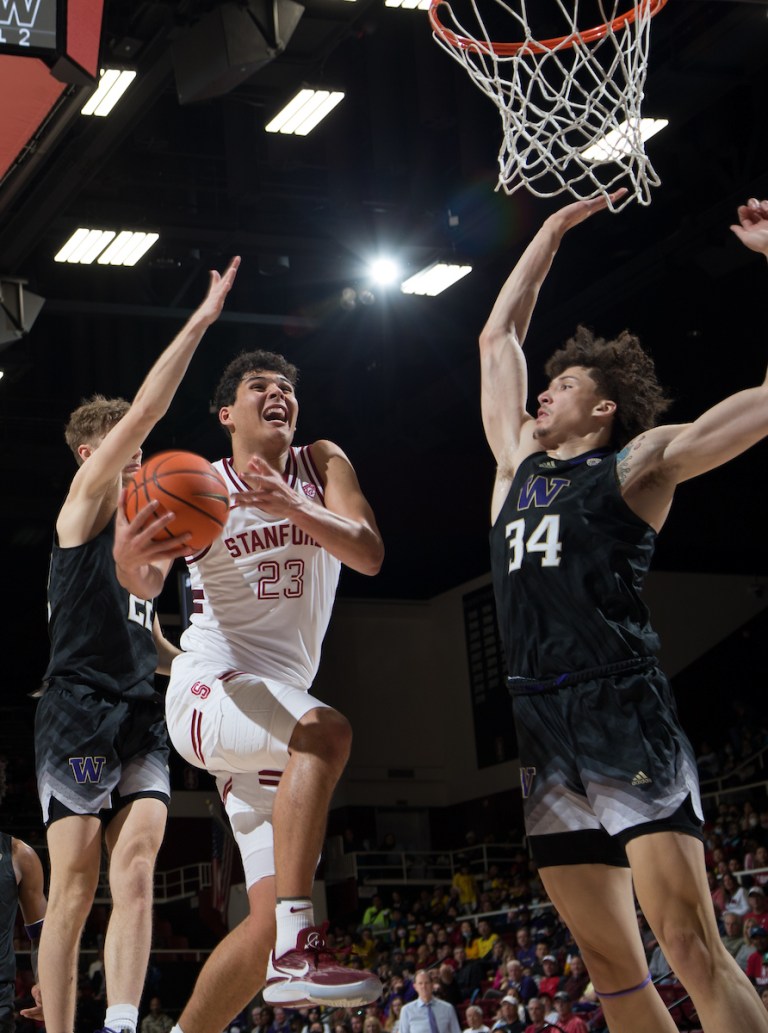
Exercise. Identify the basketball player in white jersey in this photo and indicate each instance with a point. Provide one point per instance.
(238, 703)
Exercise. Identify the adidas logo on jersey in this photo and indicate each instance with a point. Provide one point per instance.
(641, 779)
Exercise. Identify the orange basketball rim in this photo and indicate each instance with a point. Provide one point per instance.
(543, 46)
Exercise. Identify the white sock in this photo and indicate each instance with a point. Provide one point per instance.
(292, 914)
(121, 1016)
(176, 1029)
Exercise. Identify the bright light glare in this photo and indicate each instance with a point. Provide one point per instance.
(410, 5)
(618, 143)
(112, 85)
(434, 279)
(384, 271)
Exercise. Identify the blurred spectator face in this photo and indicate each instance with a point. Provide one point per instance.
(577, 966)
(459, 955)
(279, 1016)
(536, 1010)
(731, 924)
(523, 937)
(474, 1017)
(356, 1024)
(764, 998)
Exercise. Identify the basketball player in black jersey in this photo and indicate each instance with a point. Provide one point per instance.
(100, 740)
(21, 887)
(609, 778)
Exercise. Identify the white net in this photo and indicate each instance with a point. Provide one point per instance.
(570, 103)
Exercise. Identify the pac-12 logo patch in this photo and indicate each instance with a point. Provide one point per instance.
(309, 490)
(526, 780)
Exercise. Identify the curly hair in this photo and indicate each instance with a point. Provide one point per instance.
(249, 362)
(92, 419)
(623, 372)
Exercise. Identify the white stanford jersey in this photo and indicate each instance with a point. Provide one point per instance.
(263, 592)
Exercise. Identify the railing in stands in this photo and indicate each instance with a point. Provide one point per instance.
(399, 867)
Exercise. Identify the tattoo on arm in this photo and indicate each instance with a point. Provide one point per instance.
(624, 458)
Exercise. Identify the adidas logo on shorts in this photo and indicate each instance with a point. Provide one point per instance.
(641, 779)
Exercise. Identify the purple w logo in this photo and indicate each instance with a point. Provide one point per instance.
(87, 769)
(526, 780)
(540, 491)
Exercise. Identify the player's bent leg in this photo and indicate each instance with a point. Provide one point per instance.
(74, 850)
(318, 751)
(235, 971)
(670, 881)
(301, 968)
(596, 903)
(133, 839)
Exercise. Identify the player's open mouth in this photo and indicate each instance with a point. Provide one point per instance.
(276, 414)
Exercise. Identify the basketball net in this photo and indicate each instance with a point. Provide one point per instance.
(569, 105)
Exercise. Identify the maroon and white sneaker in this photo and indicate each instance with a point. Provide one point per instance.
(311, 973)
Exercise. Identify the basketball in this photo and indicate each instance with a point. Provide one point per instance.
(188, 486)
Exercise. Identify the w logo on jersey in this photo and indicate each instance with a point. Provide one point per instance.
(526, 780)
(540, 491)
(19, 12)
(87, 769)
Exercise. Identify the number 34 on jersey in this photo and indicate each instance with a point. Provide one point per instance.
(544, 540)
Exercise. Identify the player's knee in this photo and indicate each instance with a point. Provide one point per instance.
(689, 953)
(323, 733)
(131, 875)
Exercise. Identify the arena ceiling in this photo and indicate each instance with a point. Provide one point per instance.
(406, 164)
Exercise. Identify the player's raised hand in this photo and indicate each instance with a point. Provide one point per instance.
(268, 491)
(570, 216)
(752, 228)
(218, 289)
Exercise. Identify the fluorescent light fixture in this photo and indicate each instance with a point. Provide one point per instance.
(434, 279)
(109, 247)
(112, 85)
(384, 271)
(618, 143)
(408, 5)
(127, 248)
(301, 115)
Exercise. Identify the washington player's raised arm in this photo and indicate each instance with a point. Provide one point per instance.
(503, 368)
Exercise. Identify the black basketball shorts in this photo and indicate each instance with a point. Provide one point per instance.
(95, 754)
(601, 762)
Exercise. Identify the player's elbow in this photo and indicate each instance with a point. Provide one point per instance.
(373, 558)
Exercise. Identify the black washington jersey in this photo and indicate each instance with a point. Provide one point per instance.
(9, 902)
(101, 635)
(569, 558)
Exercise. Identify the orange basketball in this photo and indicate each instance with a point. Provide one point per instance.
(186, 485)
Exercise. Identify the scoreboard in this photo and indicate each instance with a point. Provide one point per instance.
(34, 27)
(64, 34)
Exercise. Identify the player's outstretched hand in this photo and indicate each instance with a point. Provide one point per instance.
(570, 216)
(752, 229)
(36, 1012)
(218, 289)
(133, 548)
(267, 490)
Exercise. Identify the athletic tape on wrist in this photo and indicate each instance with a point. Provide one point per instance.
(34, 930)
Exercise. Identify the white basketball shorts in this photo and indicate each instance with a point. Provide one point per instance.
(237, 726)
